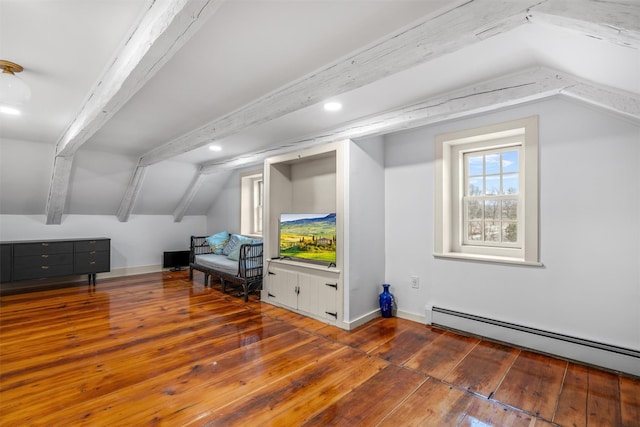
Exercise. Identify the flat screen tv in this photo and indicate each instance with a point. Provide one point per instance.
(308, 237)
(175, 260)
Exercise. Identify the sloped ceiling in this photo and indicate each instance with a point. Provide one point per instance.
(127, 95)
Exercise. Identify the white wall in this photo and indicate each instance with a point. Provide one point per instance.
(224, 214)
(589, 286)
(25, 173)
(139, 242)
(365, 209)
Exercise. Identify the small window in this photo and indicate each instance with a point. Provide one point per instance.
(487, 193)
(252, 198)
(491, 197)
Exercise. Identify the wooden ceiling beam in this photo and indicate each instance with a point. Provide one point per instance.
(162, 31)
(182, 207)
(437, 34)
(447, 31)
(611, 21)
(529, 85)
(131, 194)
(464, 23)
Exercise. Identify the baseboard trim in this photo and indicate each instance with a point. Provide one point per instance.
(410, 316)
(587, 351)
(130, 271)
(353, 324)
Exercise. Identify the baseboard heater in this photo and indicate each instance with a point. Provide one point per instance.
(592, 352)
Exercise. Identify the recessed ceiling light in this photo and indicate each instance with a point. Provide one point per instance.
(9, 110)
(215, 148)
(332, 106)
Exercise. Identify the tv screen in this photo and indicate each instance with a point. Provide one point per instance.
(175, 260)
(308, 237)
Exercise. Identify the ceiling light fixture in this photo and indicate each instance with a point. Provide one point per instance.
(13, 91)
(215, 148)
(332, 106)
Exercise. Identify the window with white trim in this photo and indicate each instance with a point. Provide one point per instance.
(251, 201)
(486, 188)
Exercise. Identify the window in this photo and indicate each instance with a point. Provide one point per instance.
(487, 193)
(258, 197)
(252, 197)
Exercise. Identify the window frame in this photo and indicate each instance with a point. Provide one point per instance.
(251, 208)
(449, 191)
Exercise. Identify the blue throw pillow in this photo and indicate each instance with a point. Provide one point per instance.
(218, 242)
(233, 247)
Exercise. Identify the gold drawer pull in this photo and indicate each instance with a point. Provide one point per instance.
(92, 252)
(44, 256)
(92, 262)
(93, 242)
(45, 244)
(45, 267)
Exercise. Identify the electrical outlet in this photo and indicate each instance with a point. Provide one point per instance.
(415, 282)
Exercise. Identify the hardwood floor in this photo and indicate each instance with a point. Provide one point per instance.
(158, 349)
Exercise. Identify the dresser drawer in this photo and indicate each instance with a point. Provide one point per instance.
(44, 259)
(43, 248)
(37, 261)
(92, 245)
(5, 263)
(92, 262)
(41, 272)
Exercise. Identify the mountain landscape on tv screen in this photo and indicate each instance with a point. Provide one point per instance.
(308, 238)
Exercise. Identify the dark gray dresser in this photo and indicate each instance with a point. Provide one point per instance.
(41, 259)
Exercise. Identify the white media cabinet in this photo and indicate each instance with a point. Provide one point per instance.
(319, 179)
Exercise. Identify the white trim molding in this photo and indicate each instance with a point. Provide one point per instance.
(448, 218)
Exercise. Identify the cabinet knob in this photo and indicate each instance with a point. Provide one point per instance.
(44, 256)
(44, 267)
(92, 252)
(44, 244)
(92, 262)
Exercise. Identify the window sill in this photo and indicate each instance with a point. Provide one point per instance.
(488, 258)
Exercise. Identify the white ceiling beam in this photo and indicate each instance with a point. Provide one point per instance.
(182, 207)
(529, 85)
(437, 34)
(126, 205)
(58, 188)
(464, 24)
(162, 31)
(623, 103)
(506, 91)
(614, 22)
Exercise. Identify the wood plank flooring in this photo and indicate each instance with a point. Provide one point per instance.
(158, 349)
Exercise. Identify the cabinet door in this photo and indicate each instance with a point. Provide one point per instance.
(281, 287)
(319, 295)
(308, 296)
(328, 299)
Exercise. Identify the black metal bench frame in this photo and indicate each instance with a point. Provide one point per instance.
(249, 275)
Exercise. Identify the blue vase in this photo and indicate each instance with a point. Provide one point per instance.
(386, 301)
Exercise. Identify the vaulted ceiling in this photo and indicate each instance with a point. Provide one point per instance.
(127, 95)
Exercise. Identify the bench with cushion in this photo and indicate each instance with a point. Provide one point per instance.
(232, 258)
